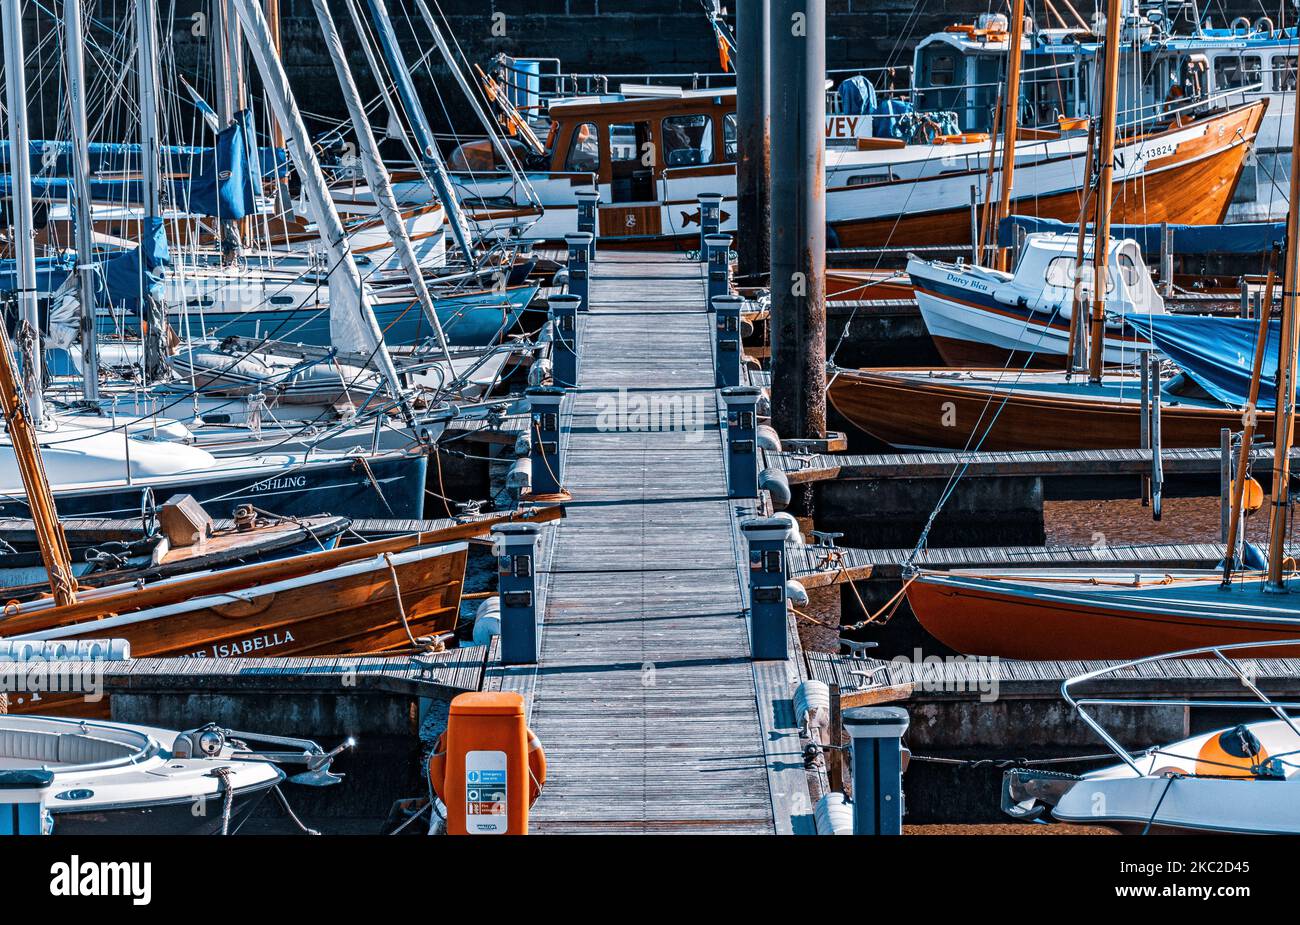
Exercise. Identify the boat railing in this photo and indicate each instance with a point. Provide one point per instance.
(1228, 655)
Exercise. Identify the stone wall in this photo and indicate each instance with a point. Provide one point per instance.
(600, 36)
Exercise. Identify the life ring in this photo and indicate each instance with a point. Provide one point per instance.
(536, 768)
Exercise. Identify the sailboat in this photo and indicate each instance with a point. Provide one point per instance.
(1089, 613)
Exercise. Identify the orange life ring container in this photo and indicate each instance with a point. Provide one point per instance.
(536, 768)
(1232, 753)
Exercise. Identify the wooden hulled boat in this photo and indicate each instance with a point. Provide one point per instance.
(992, 409)
(1098, 614)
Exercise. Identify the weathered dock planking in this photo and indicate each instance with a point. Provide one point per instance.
(801, 468)
(653, 717)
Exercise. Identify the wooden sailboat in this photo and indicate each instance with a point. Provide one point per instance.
(1106, 614)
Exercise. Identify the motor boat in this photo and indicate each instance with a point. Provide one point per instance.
(83, 777)
(1240, 778)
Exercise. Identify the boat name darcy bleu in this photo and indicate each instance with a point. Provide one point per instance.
(244, 646)
(967, 283)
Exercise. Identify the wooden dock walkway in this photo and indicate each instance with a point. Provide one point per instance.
(653, 716)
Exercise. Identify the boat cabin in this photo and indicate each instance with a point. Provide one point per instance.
(1044, 276)
(645, 151)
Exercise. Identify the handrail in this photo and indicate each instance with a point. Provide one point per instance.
(1077, 703)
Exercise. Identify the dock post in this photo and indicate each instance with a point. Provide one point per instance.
(753, 143)
(877, 734)
(564, 343)
(710, 218)
(798, 225)
(588, 199)
(742, 441)
(547, 466)
(516, 548)
(717, 253)
(727, 342)
(767, 617)
(580, 267)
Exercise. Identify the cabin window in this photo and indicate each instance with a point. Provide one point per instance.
(282, 300)
(729, 135)
(1233, 71)
(1284, 72)
(1060, 273)
(687, 140)
(632, 162)
(943, 70)
(870, 179)
(584, 149)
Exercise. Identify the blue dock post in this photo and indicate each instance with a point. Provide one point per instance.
(516, 546)
(742, 440)
(727, 341)
(588, 199)
(547, 467)
(877, 734)
(710, 218)
(767, 618)
(580, 267)
(717, 252)
(564, 340)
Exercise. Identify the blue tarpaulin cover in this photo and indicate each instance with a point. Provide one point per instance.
(54, 158)
(136, 272)
(1243, 238)
(219, 184)
(857, 96)
(1216, 353)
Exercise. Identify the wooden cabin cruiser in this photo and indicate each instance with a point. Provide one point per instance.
(92, 777)
(962, 68)
(1240, 779)
(1182, 171)
(983, 316)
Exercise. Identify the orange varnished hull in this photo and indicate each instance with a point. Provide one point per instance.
(1193, 187)
(1013, 626)
(911, 413)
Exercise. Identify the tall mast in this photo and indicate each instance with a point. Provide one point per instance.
(76, 86)
(377, 174)
(1284, 408)
(352, 320)
(430, 156)
(40, 500)
(24, 241)
(147, 75)
(282, 204)
(227, 58)
(1010, 119)
(1105, 187)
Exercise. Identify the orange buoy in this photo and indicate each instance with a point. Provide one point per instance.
(1253, 497)
(1232, 753)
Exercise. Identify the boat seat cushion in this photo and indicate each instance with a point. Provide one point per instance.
(55, 748)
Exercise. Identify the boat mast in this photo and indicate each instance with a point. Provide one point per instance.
(147, 71)
(24, 242)
(76, 84)
(1248, 417)
(377, 175)
(227, 54)
(345, 279)
(40, 500)
(1284, 405)
(419, 122)
(1105, 184)
(1010, 122)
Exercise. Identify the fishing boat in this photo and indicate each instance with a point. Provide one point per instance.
(985, 316)
(912, 195)
(1239, 779)
(94, 777)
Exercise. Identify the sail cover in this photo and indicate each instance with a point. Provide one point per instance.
(1216, 353)
(136, 273)
(54, 158)
(1190, 240)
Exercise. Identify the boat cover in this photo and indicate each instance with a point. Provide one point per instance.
(1216, 352)
(1242, 238)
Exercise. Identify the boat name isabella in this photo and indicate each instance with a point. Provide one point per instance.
(244, 646)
